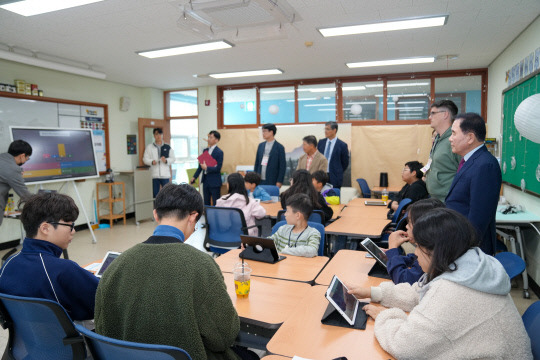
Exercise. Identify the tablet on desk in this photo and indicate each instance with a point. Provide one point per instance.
(374, 203)
(260, 249)
(346, 304)
(107, 260)
(375, 251)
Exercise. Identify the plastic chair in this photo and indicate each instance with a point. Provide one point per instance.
(364, 187)
(272, 190)
(39, 329)
(225, 225)
(401, 207)
(316, 216)
(531, 320)
(512, 263)
(316, 225)
(106, 348)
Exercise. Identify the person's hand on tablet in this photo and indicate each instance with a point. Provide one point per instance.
(359, 292)
(397, 238)
(373, 310)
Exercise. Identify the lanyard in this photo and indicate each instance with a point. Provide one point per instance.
(296, 242)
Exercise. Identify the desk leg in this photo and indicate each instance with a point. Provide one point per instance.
(519, 238)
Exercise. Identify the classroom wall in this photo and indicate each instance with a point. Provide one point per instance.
(523, 45)
(145, 102)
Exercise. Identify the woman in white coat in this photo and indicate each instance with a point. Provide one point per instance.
(459, 309)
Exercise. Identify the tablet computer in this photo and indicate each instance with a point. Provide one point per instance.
(374, 203)
(375, 251)
(260, 249)
(107, 260)
(346, 304)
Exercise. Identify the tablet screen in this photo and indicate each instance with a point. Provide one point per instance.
(345, 303)
(376, 251)
(106, 262)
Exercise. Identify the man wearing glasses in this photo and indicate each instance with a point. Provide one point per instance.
(443, 163)
(19, 152)
(37, 270)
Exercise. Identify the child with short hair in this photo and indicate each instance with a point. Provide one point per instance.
(320, 183)
(252, 180)
(297, 237)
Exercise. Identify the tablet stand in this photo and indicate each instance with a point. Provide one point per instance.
(334, 318)
(379, 271)
(265, 255)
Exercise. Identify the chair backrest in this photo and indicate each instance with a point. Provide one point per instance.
(512, 263)
(531, 320)
(402, 224)
(316, 225)
(225, 225)
(106, 348)
(366, 192)
(316, 216)
(272, 190)
(398, 213)
(39, 329)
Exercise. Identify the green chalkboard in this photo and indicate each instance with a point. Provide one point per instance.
(520, 157)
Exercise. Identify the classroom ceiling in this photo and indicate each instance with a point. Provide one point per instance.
(108, 34)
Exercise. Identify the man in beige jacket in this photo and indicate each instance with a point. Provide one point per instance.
(312, 160)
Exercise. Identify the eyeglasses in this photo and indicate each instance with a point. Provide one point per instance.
(72, 225)
(436, 112)
(406, 169)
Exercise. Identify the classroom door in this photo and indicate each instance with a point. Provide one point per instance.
(146, 134)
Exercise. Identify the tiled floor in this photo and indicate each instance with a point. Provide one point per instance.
(121, 237)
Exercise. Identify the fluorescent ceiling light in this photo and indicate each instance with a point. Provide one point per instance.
(361, 103)
(247, 73)
(401, 95)
(385, 26)
(316, 90)
(308, 105)
(412, 102)
(34, 61)
(35, 7)
(186, 49)
(399, 84)
(326, 109)
(303, 99)
(351, 88)
(277, 91)
(417, 60)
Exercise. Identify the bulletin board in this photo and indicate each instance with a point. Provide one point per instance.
(520, 160)
(25, 110)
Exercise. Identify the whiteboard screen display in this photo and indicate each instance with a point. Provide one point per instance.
(57, 154)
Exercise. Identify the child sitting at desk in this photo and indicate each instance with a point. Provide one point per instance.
(297, 238)
(321, 184)
(252, 181)
(238, 198)
(460, 309)
(405, 268)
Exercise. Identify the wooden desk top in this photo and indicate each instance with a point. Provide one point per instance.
(354, 226)
(295, 268)
(304, 335)
(351, 267)
(272, 209)
(388, 188)
(373, 212)
(270, 301)
(362, 202)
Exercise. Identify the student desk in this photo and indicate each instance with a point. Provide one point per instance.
(360, 227)
(270, 301)
(362, 202)
(272, 209)
(294, 268)
(514, 222)
(351, 266)
(373, 212)
(304, 335)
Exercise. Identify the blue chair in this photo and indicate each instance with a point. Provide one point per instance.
(364, 187)
(316, 216)
(39, 329)
(106, 348)
(531, 320)
(512, 263)
(225, 225)
(316, 225)
(401, 207)
(272, 190)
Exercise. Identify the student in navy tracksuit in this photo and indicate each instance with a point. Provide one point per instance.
(475, 190)
(37, 270)
(211, 178)
(336, 152)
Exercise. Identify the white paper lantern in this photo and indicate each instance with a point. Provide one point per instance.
(273, 109)
(395, 98)
(356, 109)
(527, 118)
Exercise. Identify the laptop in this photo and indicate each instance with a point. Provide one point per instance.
(107, 260)
(260, 249)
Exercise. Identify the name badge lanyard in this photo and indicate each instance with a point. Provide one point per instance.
(296, 242)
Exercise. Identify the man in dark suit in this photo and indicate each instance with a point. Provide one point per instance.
(211, 178)
(477, 184)
(270, 159)
(336, 152)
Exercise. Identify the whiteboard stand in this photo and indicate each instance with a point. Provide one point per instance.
(94, 241)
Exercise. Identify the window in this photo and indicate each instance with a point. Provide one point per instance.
(408, 99)
(240, 107)
(464, 91)
(277, 105)
(183, 103)
(362, 100)
(317, 103)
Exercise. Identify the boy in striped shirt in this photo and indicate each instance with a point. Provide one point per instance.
(296, 237)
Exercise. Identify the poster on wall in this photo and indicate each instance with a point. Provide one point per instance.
(99, 145)
(131, 144)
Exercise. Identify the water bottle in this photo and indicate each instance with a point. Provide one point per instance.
(384, 195)
(10, 206)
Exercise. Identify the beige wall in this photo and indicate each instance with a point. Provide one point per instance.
(527, 42)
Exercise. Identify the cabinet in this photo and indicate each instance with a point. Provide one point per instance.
(110, 200)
